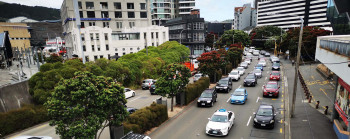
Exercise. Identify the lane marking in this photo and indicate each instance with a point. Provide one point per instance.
(249, 120)
(257, 99)
(228, 99)
(265, 78)
(282, 106)
(274, 99)
(282, 114)
(280, 130)
(281, 121)
(239, 86)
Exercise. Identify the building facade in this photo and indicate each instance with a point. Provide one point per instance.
(164, 10)
(338, 13)
(18, 32)
(287, 14)
(42, 31)
(245, 17)
(189, 31)
(218, 28)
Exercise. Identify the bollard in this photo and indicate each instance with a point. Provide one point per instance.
(310, 98)
(326, 110)
(317, 104)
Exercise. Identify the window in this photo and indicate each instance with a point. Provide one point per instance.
(143, 6)
(82, 25)
(95, 57)
(117, 5)
(125, 36)
(130, 49)
(152, 44)
(116, 49)
(163, 35)
(130, 5)
(84, 48)
(91, 36)
(82, 37)
(145, 35)
(107, 47)
(198, 37)
(143, 14)
(109, 57)
(138, 48)
(87, 58)
(104, 5)
(79, 5)
(89, 5)
(106, 36)
(156, 35)
(123, 49)
(119, 25)
(106, 24)
(131, 14)
(104, 15)
(152, 36)
(97, 36)
(118, 14)
(189, 26)
(90, 14)
(124, 53)
(131, 24)
(131, 52)
(198, 26)
(81, 14)
(98, 48)
(93, 48)
(92, 24)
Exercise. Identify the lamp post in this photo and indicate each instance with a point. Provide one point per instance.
(181, 35)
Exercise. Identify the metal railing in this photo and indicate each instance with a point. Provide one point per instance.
(338, 46)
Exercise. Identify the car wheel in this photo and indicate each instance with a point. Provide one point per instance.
(272, 126)
(133, 94)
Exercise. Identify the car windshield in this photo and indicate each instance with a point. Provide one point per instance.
(153, 85)
(273, 86)
(146, 81)
(264, 112)
(259, 65)
(238, 93)
(197, 76)
(206, 95)
(276, 64)
(218, 118)
(275, 73)
(223, 82)
(250, 77)
(234, 73)
(257, 71)
(240, 68)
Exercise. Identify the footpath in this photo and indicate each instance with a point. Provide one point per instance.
(308, 122)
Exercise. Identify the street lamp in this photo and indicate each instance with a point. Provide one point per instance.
(181, 35)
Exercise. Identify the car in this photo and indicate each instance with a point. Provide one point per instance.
(224, 85)
(252, 47)
(248, 61)
(265, 116)
(261, 57)
(129, 93)
(239, 96)
(132, 135)
(275, 75)
(244, 64)
(259, 66)
(267, 54)
(262, 52)
(274, 59)
(251, 50)
(197, 76)
(248, 58)
(241, 70)
(147, 83)
(207, 98)
(250, 80)
(257, 72)
(271, 89)
(234, 75)
(276, 66)
(220, 123)
(262, 62)
(245, 53)
(152, 89)
(131, 110)
(256, 52)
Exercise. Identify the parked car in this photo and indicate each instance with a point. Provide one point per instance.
(262, 62)
(152, 89)
(234, 75)
(267, 54)
(147, 83)
(129, 93)
(197, 77)
(244, 64)
(256, 52)
(241, 70)
(207, 98)
(275, 75)
(271, 89)
(224, 85)
(248, 61)
(276, 66)
(265, 116)
(131, 110)
(250, 80)
(239, 96)
(220, 123)
(258, 73)
(259, 66)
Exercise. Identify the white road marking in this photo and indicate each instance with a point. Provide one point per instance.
(257, 99)
(228, 99)
(268, 71)
(239, 86)
(249, 120)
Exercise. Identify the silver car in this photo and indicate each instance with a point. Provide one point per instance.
(262, 62)
(197, 77)
(241, 70)
(244, 64)
(146, 84)
(257, 73)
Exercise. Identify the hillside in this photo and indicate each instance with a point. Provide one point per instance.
(37, 13)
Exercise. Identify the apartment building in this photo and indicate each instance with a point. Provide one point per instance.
(164, 10)
(245, 17)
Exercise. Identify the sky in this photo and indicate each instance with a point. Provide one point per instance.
(211, 10)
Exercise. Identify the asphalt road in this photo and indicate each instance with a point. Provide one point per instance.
(192, 122)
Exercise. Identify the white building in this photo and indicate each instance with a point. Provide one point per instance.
(286, 14)
(245, 17)
(164, 10)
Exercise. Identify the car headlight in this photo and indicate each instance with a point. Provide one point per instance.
(199, 101)
(255, 120)
(272, 121)
(245, 81)
(225, 87)
(208, 101)
(224, 129)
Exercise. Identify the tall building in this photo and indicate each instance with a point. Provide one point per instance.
(110, 28)
(286, 14)
(18, 34)
(245, 17)
(338, 12)
(164, 10)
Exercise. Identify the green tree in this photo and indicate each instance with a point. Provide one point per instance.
(84, 104)
(238, 35)
(173, 81)
(54, 58)
(210, 63)
(210, 38)
(265, 32)
(235, 56)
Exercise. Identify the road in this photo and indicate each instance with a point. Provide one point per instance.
(191, 123)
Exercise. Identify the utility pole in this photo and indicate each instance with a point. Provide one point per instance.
(297, 67)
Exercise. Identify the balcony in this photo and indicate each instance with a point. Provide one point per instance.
(161, 1)
(341, 47)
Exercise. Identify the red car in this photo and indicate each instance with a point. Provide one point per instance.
(275, 75)
(271, 89)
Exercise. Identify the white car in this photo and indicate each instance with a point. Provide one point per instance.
(241, 70)
(247, 61)
(220, 123)
(234, 75)
(129, 93)
(256, 52)
(262, 62)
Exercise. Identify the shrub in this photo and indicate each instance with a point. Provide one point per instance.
(54, 58)
(193, 90)
(27, 116)
(146, 118)
(45, 67)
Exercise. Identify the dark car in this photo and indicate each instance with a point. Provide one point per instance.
(224, 85)
(207, 98)
(265, 116)
(250, 80)
(271, 89)
(131, 110)
(276, 66)
(152, 89)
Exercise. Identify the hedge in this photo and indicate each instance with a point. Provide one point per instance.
(146, 118)
(193, 90)
(27, 116)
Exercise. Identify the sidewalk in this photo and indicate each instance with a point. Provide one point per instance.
(307, 122)
(10, 75)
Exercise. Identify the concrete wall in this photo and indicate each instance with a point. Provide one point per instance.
(14, 95)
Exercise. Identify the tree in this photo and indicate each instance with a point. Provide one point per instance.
(84, 104)
(265, 32)
(210, 63)
(173, 81)
(238, 35)
(235, 55)
(210, 38)
(54, 58)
